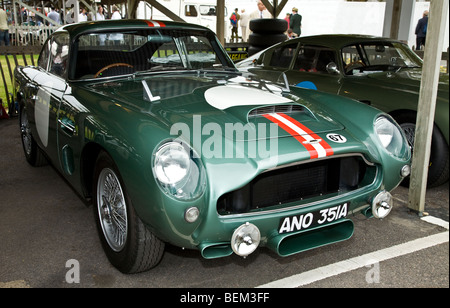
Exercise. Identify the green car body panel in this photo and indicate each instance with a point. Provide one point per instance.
(115, 115)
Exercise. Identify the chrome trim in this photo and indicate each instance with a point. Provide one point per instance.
(296, 207)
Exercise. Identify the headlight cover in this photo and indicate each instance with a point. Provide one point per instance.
(178, 171)
(391, 136)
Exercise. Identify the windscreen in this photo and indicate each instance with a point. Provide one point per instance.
(106, 54)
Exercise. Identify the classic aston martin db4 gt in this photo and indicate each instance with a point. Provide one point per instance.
(153, 123)
(381, 72)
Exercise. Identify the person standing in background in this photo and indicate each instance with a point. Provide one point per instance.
(99, 15)
(234, 19)
(53, 15)
(421, 31)
(4, 29)
(245, 20)
(288, 19)
(116, 14)
(296, 22)
(83, 15)
(261, 12)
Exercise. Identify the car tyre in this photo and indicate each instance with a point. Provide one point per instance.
(256, 39)
(33, 154)
(128, 244)
(438, 170)
(268, 26)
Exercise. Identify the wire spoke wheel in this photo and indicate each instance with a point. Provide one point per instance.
(25, 132)
(112, 209)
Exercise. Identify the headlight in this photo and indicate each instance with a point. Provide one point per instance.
(177, 172)
(391, 136)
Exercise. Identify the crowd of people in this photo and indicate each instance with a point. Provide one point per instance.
(59, 16)
(54, 16)
(237, 20)
(243, 19)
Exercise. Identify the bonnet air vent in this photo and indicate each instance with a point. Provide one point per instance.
(289, 109)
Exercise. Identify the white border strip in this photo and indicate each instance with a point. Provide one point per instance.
(436, 221)
(362, 261)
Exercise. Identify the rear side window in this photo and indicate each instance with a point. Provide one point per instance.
(282, 56)
(59, 53)
(43, 57)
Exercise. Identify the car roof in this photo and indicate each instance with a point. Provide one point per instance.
(123, 24)
(339, 40)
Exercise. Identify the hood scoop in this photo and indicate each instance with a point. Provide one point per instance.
(285, 108)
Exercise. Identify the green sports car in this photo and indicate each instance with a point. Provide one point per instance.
(384, 73)
(153, 124)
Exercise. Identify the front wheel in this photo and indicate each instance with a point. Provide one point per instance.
(128, 244)
(438, 170)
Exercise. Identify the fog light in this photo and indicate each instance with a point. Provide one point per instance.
(382, 204)
(245, 239)
(406, 170)
(191, 214)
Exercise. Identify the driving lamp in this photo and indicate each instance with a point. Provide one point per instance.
(245, 239)
(382, 204)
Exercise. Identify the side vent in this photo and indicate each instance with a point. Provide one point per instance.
(287, 109)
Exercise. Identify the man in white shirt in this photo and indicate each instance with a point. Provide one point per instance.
(82, 16)
(54, 16)
(116, 14)
(245, 20)
(261, 12)
(116, 37)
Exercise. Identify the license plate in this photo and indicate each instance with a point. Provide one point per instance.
(312, 219)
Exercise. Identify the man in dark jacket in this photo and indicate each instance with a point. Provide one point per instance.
(421, 31)
(296, 22)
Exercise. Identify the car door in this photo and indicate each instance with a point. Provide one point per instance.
(313, 68)
(46, 93)
(66, 118)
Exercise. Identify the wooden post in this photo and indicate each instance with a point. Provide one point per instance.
(396, 13)
(427, 104)
(220, 21)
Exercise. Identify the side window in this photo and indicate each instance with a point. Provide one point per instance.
(325, 57)
(190, 10)
(59, 53)
(314, 59)
(350, 54)
(282, 56)
(306, 59)
(208, 10)
(43, 57)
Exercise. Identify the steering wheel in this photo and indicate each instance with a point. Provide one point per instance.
(111, 66)
(359, 62)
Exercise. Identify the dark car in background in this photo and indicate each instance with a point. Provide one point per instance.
(380, 72)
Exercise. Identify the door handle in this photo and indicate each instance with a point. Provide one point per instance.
(67, 126)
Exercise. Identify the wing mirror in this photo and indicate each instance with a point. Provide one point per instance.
(332, 68)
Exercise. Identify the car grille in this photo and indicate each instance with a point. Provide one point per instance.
(298, 183)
